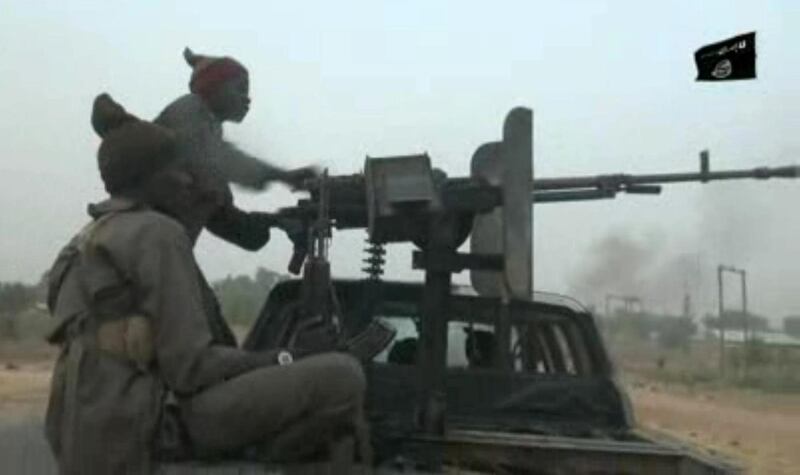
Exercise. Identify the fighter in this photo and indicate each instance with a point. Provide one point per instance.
(220, 92)
(142, 376)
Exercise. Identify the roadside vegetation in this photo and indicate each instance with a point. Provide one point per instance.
(24, 319)
(682, 351)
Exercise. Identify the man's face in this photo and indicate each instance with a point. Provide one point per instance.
(232, 100)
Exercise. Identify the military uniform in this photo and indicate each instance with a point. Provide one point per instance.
(138, 326)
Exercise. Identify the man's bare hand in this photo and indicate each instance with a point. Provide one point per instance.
(297, 177)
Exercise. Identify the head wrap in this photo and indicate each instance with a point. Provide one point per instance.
(131, 149)
(209, 73)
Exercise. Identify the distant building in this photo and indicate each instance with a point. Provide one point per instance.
(772, 338)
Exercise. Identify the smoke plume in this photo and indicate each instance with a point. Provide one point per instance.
(745, 226)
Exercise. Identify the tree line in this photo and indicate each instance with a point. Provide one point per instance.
(23, 313)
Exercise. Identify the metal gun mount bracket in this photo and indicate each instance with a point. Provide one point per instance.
(507, 230)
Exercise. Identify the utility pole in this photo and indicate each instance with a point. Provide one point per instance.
(745, 317)
(747, 329)
(721, 324)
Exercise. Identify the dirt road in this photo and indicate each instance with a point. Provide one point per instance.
(23, 389)
(761, 431)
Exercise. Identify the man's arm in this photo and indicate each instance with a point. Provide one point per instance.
(248, 230)
(201, 139)
(169, 293)
(243, 169)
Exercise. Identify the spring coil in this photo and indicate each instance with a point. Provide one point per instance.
(374, 260)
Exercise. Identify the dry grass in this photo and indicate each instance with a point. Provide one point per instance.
(759, 430)
(687, 398)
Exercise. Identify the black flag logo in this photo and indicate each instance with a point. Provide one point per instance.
(734, 58)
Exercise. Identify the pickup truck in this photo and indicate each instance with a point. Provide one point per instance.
(559, 410)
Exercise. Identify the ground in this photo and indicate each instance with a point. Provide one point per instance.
(24, 380)
(760, 430)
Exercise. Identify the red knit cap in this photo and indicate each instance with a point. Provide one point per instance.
(210, 73)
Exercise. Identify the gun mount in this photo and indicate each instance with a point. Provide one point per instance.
(404, 199)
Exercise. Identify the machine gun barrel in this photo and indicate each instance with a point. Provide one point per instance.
(623, 180)
(579, 188)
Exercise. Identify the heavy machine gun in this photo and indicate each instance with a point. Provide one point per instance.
(404, 199)
(394, 196)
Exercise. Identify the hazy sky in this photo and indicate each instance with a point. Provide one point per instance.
(611, 85)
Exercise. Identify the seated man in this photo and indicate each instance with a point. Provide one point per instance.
(480, 348)
(132, 311)
(404, 352)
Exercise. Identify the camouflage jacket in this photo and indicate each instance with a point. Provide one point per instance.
(104, 408)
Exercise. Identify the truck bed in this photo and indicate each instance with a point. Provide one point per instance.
(24, 451)
(643, 453)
